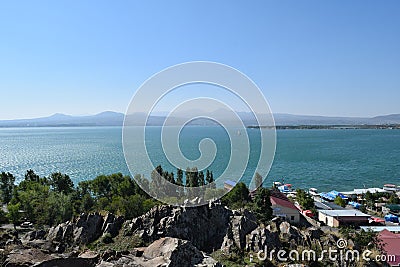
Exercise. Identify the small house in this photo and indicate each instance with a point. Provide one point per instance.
(390, 243)
(336, 218)
(283, 207)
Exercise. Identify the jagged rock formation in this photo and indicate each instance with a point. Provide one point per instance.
(207, 228)
(86, 229)
(177, 237)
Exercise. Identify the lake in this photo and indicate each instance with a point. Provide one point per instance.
(339, 159)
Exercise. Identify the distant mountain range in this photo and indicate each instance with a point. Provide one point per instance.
(110, 118)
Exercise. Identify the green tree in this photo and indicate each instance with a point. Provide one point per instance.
(304, 199)
(13, 214)
(201, 179)
(33, 200)
(157, 182)
(179, 182)
(238, 197)
(3, 217)
(87, 203)
(262, 205)
(61, 183)
(210, 179)
(393, 199)
(31, 176)
(6, 186)
(58, 208)
(144, 185)
(194, 182)
(257, 180)
(340, 201)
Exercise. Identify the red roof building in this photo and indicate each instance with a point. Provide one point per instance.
(283, 207)
(390, 244)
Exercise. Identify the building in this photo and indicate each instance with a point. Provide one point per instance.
(390, 244)
(327, 206)
(336, 218)
(390, 228)
(228, 185)
(363, 191)
(283, 207)
(391, 208)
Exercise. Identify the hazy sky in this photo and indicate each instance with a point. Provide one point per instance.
(308, 57)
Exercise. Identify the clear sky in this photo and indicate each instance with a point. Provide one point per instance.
(309, 57)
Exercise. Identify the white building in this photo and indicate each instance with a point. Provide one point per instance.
(336, 218)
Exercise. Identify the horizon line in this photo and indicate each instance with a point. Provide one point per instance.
(161, 112)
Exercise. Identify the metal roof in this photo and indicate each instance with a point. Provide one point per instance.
(229, 182)
(364, 190)
(344, 213)
(381, 228)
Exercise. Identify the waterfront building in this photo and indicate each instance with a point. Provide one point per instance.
(336, 218)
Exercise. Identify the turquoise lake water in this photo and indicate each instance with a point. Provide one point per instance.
(325, 159)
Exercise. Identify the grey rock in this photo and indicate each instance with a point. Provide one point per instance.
(207, 228)
(260, 238)
(204, 227)
(172, 252)
(240, 225)
(88, 228)
(84, 230)
(26, 257)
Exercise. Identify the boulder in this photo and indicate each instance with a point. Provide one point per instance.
(172, 252)
(26, 257)
(289, 232)
(67, 262)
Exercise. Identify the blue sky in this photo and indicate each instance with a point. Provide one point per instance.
(308, 57)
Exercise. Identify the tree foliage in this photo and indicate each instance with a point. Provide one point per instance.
(262, 205)
(49, 201)
(340, 201)
(238, 197)
(304, 199)
(13, 213)
(6, 186)
(257, 180)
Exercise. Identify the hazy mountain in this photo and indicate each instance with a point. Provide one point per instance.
(110, 118)
(107, 118)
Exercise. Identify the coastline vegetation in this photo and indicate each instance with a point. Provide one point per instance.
(54, 199)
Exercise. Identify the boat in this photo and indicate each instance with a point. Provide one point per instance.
(391, 218)
(286, 189)
(391, 187)
(376, 220)
(313, 191)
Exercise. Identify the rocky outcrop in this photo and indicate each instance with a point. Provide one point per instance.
(85, 229)
(207, 228)
(177, 237)
(172, 252)
(241, 223)
(262, 237)
(26, 257)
